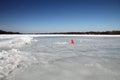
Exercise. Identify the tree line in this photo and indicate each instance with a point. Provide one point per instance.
(89, 32)
(8, 32)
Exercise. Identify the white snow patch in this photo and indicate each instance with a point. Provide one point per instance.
(16, 42)
(13, 59)
(61, 43)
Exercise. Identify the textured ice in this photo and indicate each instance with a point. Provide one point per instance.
(15, 42)
(9, 60)
(12, 58)
(52, 57)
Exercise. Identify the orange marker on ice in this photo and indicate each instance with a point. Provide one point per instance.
(72, 41)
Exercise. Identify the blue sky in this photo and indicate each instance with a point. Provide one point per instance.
(59, 15)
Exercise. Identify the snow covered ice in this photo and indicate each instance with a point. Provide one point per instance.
(52, 57)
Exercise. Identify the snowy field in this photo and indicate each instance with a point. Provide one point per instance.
(52, 57)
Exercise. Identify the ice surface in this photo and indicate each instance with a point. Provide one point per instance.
(15, 42)
(12, 58)
(9, 60)
(52, 57)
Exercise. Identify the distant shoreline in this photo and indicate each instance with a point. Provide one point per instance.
(71, 33)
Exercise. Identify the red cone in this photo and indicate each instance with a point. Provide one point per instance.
(72, 41)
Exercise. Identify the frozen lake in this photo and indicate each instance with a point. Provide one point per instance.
(52, 57)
